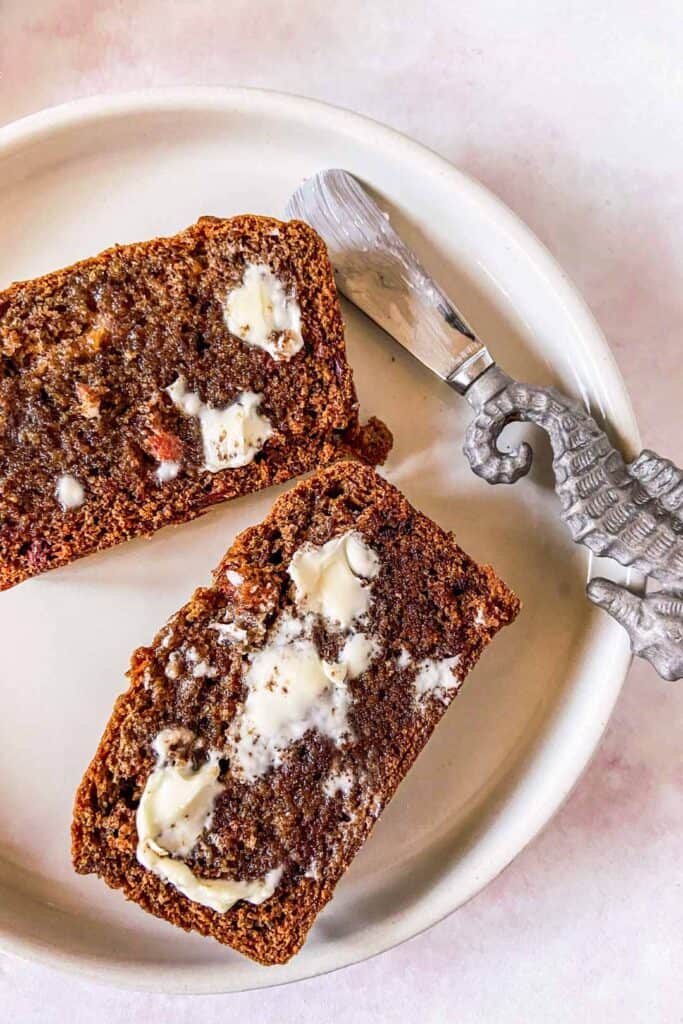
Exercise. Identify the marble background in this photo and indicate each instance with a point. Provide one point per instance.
(571, 112)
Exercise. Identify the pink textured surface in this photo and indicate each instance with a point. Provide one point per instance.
(572, 114)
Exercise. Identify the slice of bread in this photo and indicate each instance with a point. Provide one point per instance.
(277, 712)
(141, 386)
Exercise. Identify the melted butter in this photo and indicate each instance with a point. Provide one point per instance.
(231, 436)
(330, 579)
(291, 689)
(338, 782)
(69, 492)
(261, 313)
(176, 807)
(357, 653)
(167, 470)
(437, 678)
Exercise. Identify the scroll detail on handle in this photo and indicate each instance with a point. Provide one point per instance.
(631, 513)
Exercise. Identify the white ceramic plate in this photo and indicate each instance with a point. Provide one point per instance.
(81, 177)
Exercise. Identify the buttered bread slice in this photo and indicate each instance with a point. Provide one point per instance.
(273, 717)
(144, 385)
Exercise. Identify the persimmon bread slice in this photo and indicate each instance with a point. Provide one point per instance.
(141, 386)
(272, 718)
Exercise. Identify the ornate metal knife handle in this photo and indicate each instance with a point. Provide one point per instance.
(630, 512)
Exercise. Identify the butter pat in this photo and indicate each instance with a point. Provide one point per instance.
(69, 492)
(357, 653)
(177, 803)
(338, 782)
(188, 402)
(437, 678)
(228, 632)
(329, 579)
(261, 313)
(404, 658)
(167, 470)
(290, 690)
(231, 436)
(290, 627)
(176, 807)
(220, 894)
(203, 669)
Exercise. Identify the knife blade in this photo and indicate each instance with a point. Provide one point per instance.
(377, 272)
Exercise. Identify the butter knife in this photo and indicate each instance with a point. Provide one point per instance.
(632, 513)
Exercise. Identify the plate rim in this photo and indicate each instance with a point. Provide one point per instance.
(616, 406)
